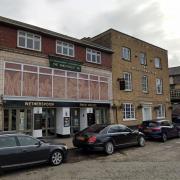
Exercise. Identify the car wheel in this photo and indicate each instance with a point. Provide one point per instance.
(56, 158)
(164, 137)
(141, 141)
(109, 148)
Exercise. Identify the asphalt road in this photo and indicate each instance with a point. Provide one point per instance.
(155, 161)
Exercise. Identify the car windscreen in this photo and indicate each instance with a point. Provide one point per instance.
(94, 129)
(150, 124)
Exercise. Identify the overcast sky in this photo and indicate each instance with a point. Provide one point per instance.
(155, 21)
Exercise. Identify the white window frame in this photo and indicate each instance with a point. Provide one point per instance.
(157, 62)
(34, 35)
(161, 111)
(67, 45)
(159, 86)
(144, 84)
(91, 53)
(143, 58)
(131, 112)
(126, 53)
(128, 82)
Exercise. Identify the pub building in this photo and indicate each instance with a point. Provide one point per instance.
(51, 83)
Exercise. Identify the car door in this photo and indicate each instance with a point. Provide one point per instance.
(168, 128)
(130, 136)
(9, 151)
(117, 135)
(33, 150)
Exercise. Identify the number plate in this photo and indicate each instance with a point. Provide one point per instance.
(80, 138)
(147, 130)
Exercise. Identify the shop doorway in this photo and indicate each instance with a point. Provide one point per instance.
(18, 120)
(75, 120)
(46, 121)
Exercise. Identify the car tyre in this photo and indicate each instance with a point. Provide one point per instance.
(109, 148)
(164, 137)
(56, 158)
(141, 141)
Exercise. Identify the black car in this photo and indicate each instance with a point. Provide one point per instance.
(159, 129)
(18, 150)
(107, 137)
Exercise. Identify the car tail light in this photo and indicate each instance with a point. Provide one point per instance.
(156, 129)
(92, 139)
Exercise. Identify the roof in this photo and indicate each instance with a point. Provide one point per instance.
(173, 71)
(111, 29)
(52, 33)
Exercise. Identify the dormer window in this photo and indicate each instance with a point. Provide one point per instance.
(64, 48)
(29, 41)
(93, 56)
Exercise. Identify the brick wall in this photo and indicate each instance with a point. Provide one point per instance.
(116, 41)
(8, 39)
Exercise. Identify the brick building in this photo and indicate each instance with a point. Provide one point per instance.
(140, 78)
(51, 83)
(174, 80)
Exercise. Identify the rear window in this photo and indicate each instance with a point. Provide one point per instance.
(94, 129)
(150, 124)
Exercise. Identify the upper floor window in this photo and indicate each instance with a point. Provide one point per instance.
(93, 56)
(159, 86)
(29, 41)
(157, 62)
(64, 48)
(126, 53)
(128, 111)
(142, 58)
(160, 111)
(145, 84)
(128, 81)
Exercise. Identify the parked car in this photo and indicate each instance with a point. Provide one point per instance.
(176, 120)
(18, 150)
(107, 137)
(159, 129)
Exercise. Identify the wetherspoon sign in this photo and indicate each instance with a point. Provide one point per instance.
(61, 63)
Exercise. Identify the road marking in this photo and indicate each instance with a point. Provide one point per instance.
(178, 142)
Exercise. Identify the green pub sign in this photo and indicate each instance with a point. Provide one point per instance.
(61, 63)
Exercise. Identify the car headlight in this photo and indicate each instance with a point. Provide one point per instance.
(66, 147)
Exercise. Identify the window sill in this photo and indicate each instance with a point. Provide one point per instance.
(130, 119)
(128, 90)
(128, 60)
(161, 117)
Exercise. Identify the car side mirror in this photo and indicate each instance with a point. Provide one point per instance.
(39, 143)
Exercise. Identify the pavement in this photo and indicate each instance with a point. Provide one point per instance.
(155, 161)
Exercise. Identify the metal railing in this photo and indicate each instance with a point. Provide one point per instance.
(175, 93)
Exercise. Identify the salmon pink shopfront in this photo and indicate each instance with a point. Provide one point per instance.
(46, 101)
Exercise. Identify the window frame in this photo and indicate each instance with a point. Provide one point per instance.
(129, 81)
(63, 46)
(159, 64)
(90, 51)
(124, 54)
(143, 84)
(25, 47)
(38, 141)
(157, 86)
(162, 111)
(144, 60)
(132, 107)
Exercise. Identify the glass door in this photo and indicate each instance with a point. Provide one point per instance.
(48, 122)
(19, 120)
(75, 120)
